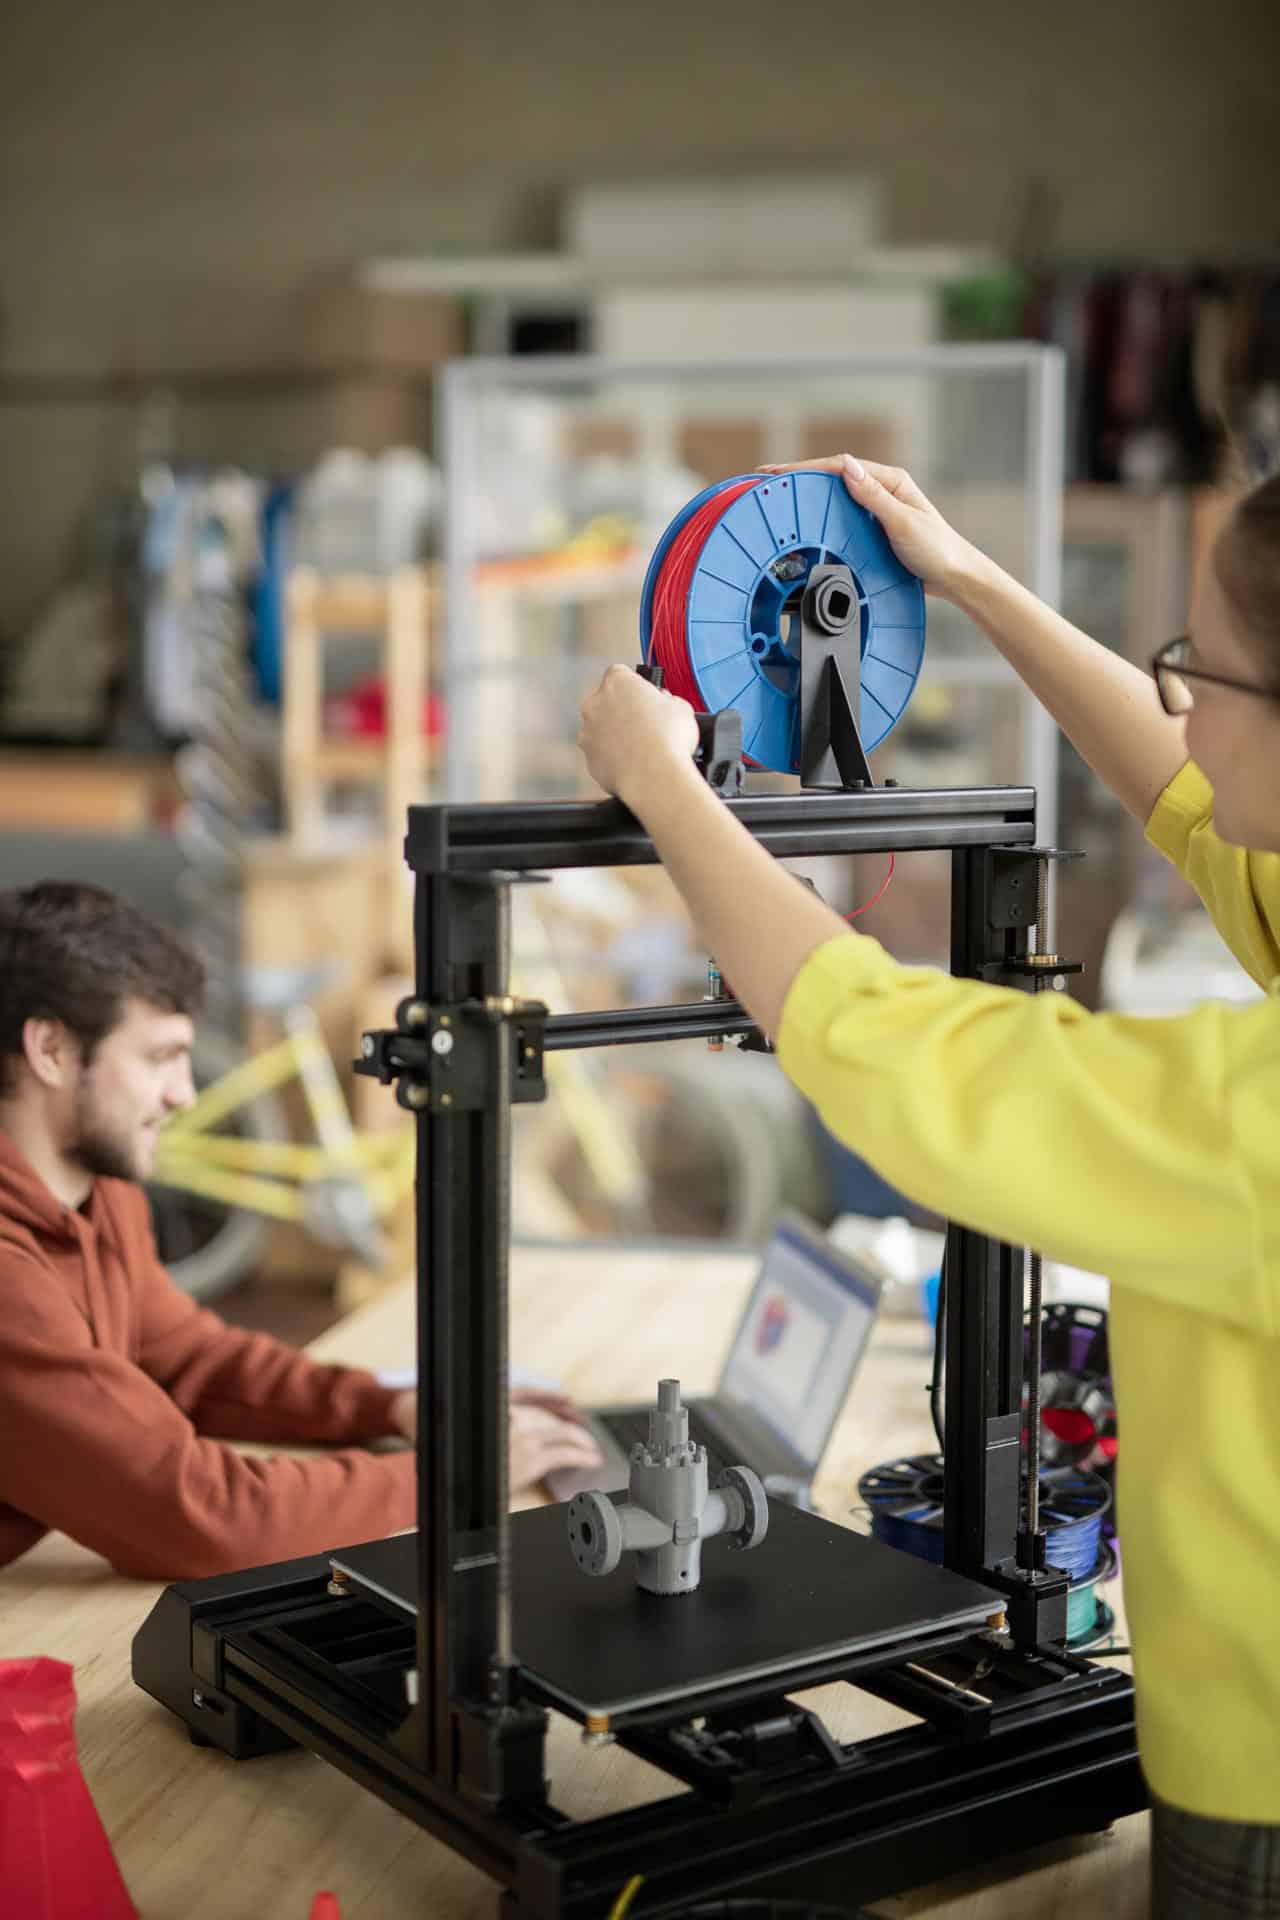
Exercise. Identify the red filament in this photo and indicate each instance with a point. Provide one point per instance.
(668, 624)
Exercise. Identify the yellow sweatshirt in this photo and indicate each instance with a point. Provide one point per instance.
(1149, 1150)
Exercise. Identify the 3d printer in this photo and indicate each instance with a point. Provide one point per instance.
(424, 1665)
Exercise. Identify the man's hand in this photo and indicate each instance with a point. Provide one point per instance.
(634, 732)
(546, 1433)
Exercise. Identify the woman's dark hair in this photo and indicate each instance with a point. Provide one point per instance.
(75, 953)
(1246, 559)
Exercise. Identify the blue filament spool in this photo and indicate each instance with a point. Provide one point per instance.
(739, 624)
(904, 1499)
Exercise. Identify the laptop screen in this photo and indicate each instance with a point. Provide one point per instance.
(806, 1325)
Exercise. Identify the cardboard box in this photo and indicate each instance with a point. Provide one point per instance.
(345, 326)
(716, 448)
(372, 413)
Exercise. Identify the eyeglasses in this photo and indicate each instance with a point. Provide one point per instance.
(1173, 678)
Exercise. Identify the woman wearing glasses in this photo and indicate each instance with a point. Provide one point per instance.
(1146, 1149)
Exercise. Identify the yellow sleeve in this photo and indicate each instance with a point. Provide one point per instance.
(1240, 888)
(1146, 1149)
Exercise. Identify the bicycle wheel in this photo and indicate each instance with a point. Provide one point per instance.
(720, 1145)
(207, 1247)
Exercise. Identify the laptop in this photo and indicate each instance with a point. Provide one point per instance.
(785, 1378)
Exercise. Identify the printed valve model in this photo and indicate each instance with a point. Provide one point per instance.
(670, 1511)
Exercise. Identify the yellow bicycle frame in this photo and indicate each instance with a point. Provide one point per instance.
(269, 1176)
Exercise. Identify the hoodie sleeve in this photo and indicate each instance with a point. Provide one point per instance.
(246, 1386)
(90, 1444)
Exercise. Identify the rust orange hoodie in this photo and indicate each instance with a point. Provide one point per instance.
(114, 1384)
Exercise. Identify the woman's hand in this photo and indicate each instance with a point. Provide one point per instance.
(633, 732)
(917, 532)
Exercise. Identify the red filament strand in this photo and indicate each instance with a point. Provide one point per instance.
(879, 893)
(668, 624)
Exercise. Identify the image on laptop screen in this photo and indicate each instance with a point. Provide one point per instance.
(808, 1320)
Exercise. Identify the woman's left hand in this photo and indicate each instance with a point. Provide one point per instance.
(633, 733)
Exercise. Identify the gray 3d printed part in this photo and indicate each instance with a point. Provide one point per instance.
(670, 1510)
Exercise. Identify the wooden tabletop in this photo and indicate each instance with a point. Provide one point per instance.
(201, 1837)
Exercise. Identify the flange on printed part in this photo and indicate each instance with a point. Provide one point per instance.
(670, 1510)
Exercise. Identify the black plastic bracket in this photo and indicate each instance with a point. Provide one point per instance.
(1036, 1603)
(831, 750)
(733, 1757)
(719, 754)
(1017, 884)
(500, 1753)
(441, 1058)
(1015, 881)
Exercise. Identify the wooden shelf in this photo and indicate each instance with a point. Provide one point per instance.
(356, 603)
(555, 580)
(360, 603)
(397, 613)
(75, 791)
(363, 760)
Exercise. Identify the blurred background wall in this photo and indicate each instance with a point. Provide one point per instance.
(170, 177)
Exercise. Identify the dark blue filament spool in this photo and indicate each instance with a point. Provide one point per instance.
(904, 1499)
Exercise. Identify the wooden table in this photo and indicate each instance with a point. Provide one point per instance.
(201, 1837)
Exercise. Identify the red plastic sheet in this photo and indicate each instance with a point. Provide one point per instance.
(56, 1862)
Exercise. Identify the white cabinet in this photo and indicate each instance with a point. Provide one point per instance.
(561, 476)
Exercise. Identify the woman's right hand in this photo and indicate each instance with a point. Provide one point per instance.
(917, 532)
